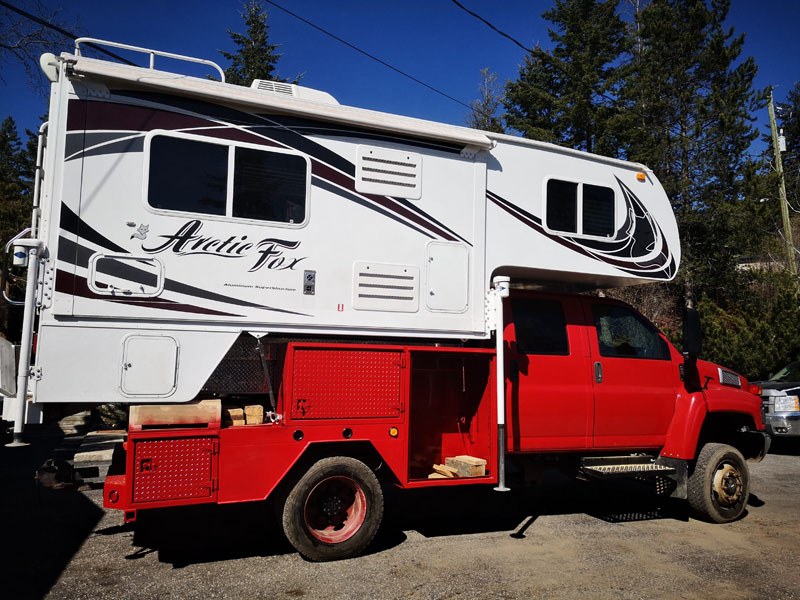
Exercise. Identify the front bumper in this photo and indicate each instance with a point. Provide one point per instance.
(783, 424)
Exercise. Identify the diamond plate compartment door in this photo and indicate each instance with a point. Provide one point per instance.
(178, 469)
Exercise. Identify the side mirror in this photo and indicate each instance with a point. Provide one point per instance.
(692, 334)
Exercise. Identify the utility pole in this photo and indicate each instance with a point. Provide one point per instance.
(787, 229)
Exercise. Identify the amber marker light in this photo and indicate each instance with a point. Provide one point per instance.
(641, 177)
(394, 432)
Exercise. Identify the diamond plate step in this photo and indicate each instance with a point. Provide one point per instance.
(609, 471)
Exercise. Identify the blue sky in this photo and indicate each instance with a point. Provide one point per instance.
(432, 40)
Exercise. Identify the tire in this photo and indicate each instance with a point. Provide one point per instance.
(335, 509)
(719, 487)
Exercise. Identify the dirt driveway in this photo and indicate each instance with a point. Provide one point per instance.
(565, 540)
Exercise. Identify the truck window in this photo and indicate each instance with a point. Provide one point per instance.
(192, 175)
(540, 326)
(622, 333)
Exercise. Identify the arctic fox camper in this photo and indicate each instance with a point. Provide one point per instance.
(299, 299)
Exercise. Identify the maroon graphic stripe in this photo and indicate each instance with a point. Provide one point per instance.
(67, 283)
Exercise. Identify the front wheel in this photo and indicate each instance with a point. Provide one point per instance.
(719, 487)
(335, 509)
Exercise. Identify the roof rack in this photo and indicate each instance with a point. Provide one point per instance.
(152, 53)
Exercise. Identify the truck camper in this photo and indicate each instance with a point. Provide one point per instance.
(303, 301)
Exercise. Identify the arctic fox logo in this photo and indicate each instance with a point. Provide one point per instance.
(270, 251)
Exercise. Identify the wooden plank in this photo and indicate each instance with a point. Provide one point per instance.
(437, 476)
(190, 413)
(254, 414)
(233, 416)
(445, 470)
(467, 466)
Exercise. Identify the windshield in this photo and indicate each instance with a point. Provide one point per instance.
(790, 372)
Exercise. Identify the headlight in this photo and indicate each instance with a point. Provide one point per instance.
(787, 404)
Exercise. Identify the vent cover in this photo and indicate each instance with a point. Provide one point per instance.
(389, 172)
(276, 87)
(729, 378)
(392, 288)
(289, 89)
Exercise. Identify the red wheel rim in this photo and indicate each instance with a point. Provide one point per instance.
(335, 510)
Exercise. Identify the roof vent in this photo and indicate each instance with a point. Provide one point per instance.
(289, 89)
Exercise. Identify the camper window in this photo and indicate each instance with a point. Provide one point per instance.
(192, 175)
(562, 206)
(579, 208)
(188, 176)
(269, 186)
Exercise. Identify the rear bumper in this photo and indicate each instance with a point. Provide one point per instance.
(116, 494)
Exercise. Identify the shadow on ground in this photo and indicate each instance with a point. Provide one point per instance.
(785, 446)
(208, 533)
(42, 528)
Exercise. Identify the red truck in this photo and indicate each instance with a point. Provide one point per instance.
(587, 379)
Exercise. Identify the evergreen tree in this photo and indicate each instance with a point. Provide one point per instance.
(789, 121)
(484, 109)
(566, 94)
(691, 101)
(255, 57)
(15, 207)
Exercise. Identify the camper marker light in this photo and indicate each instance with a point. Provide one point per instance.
(641, 177)
(394, 432)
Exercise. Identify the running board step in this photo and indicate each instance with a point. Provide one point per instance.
(624, 466)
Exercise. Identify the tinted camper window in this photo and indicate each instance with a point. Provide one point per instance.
(188, 176)
(562, 206)
(269, 186)
(222, 179)
(598, 210)
(579, 208)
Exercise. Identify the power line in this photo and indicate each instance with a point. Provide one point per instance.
(556, 64)
(63, 32)
(367, 54)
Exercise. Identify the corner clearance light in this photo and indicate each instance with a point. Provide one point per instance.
(641, 177)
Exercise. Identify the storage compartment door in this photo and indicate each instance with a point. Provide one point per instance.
(176, 469)
(149, 366)
(447, 270)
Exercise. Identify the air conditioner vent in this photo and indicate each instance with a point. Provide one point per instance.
(289, 89)
(389, 172)
(276, 87)
(392, 288)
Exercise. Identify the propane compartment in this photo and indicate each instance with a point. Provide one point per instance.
(451, 401)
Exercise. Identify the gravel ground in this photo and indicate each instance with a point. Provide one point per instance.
(565, 539)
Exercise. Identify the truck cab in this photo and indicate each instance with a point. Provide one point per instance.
(585, 372)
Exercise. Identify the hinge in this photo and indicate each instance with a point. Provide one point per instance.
(490, 309)
(214, 485)
(46, 284)
(215, 446)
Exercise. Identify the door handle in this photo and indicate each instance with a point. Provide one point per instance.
(598, 372)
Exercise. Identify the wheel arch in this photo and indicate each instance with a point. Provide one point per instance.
(362, 450)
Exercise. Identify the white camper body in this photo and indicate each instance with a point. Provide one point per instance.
(178, 214)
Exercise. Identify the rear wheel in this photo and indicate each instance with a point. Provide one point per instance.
(335, 509)
(719, 487)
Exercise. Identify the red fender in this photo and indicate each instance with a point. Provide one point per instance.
(684, 429)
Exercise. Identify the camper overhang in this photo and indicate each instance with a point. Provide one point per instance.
(100, 70)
